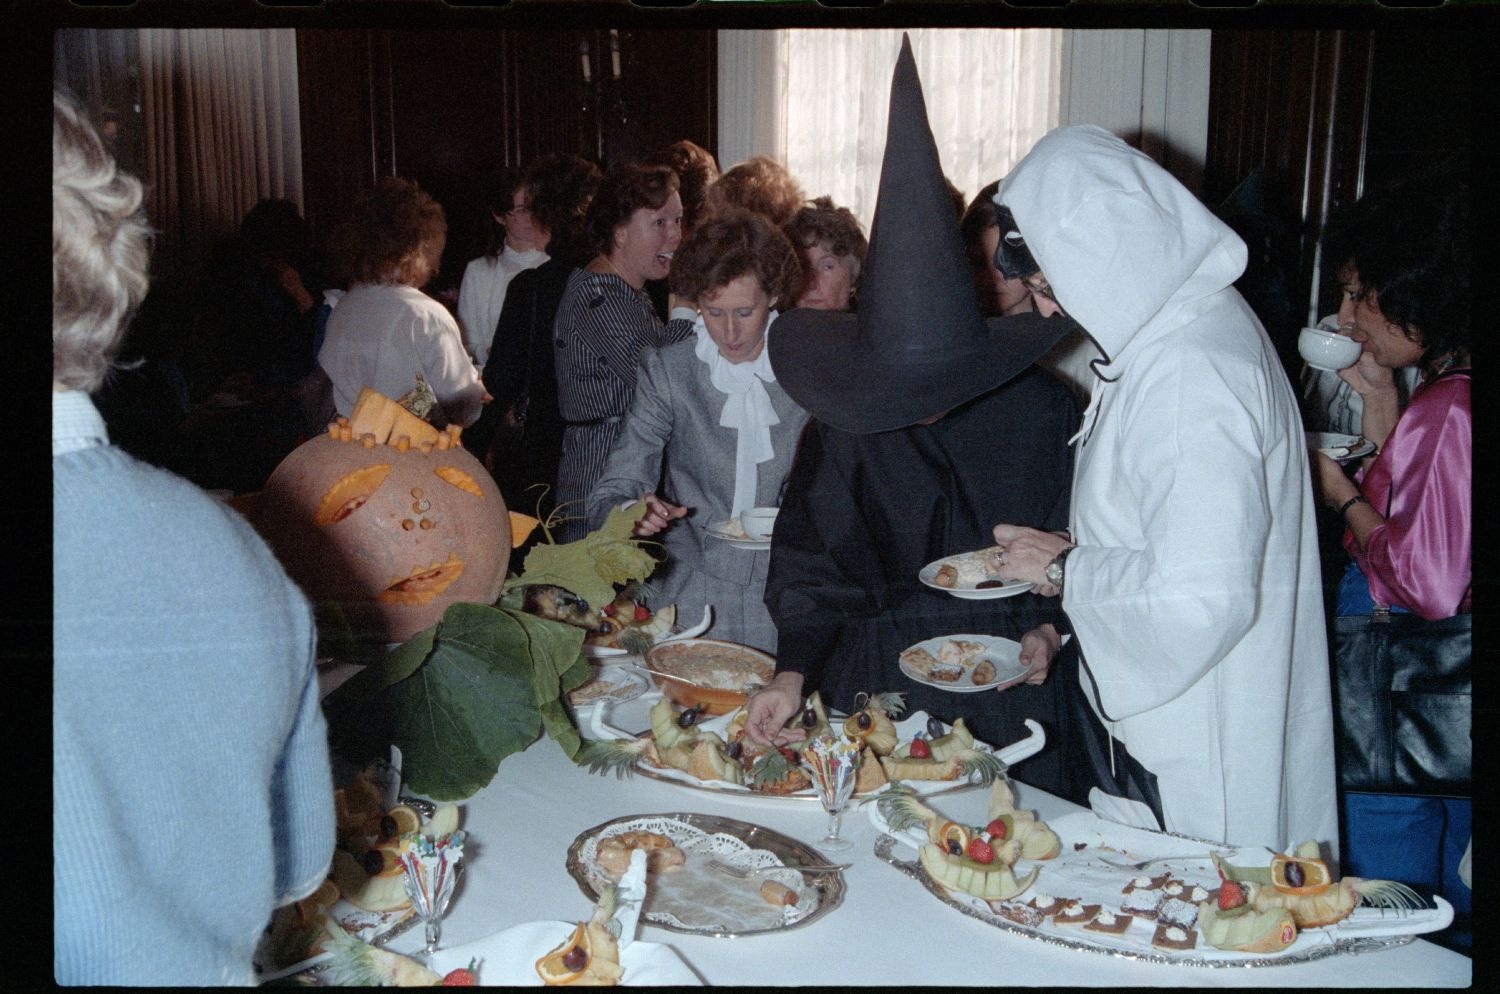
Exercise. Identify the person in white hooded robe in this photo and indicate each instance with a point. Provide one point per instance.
(1193, 587)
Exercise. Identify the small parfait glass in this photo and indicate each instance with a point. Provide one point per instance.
(833, 763)
(431, 870)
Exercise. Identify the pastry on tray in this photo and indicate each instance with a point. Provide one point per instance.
(1173, 937)
(1109, 923)
(1075, 913)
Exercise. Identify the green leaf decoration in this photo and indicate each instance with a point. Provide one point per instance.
(591, 566)
(989, 766)
(617, 756)
(458, 698)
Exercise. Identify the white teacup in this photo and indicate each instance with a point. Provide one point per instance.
(758, 522)
(1323, 349)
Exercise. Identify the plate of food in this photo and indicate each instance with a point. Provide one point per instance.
(364, 894)
(773, 882)
(1083, 882)
(734, 533)
(711, 674)
(972, 575)
(619, 682)
(714, 754)
(1340, 448)
(964, 664)
(625, 626)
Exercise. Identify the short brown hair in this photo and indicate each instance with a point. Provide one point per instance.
(626, 188)
(758, 184)
(819, 222)
(696, 169)
(394, 234)
(729, 245)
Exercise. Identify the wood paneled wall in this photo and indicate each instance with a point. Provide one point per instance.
(446, 108)
(1326, 114)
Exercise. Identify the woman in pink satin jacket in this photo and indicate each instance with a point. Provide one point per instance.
(1405, 756)
(1408, 511)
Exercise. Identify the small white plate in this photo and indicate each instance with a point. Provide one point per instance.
(1340, 448)
(1004, 653)
(928, 576)
(615, 683)
(729, 531)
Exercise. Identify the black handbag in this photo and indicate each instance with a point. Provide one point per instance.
(1401, 688)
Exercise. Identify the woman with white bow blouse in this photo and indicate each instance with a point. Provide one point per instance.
(710, 433)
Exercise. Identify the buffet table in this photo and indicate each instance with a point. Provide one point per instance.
(888, 931)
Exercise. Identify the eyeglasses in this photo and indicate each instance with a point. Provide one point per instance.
(518, 210)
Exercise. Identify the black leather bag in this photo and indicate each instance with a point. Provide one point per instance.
(1402, 692)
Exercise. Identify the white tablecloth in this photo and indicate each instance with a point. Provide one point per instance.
(889, 931)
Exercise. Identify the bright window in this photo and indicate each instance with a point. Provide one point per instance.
(990, 93)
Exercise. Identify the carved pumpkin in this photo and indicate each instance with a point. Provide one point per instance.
(388, 519)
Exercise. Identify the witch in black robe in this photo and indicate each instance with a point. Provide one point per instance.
(863, 513)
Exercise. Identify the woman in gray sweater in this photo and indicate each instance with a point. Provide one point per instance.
(710, 432)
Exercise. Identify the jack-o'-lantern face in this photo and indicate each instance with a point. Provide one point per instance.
(391, 536)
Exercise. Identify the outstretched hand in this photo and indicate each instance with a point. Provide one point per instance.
(768, 709)
(659, 514)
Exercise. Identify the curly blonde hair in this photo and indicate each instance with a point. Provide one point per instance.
(758, 184)
(100, 250)
(394, 234)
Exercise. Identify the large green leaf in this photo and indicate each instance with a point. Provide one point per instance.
(488, 683)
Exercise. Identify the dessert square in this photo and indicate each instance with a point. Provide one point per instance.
(1175, 911)
(1173, 937)
(1046, 904)
(1109, 922)
(1021, 914)
(1142, 895)
(1075, 913)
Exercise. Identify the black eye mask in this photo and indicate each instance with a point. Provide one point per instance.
(1012, 257)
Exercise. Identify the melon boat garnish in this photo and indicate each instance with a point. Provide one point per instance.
(978, 861)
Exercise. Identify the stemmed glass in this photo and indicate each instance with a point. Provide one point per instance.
(834, 764)
(431, 869)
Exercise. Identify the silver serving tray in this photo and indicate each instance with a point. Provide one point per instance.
(885, 850)
(1011, 754)
(830, 886)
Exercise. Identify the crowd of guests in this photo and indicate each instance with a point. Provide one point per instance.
(1061, 366)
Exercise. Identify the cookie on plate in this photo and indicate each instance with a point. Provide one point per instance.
(1045, 904)
(1109, 922)
(1142, 896)
(1181, 908)
(1075, 913)
(1173, 937)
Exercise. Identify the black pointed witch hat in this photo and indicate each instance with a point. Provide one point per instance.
(918, 345)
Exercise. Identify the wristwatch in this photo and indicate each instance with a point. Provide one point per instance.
(1054, 570)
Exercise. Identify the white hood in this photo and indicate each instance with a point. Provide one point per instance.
(1123, 244)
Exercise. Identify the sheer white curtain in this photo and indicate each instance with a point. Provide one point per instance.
(220, 116)
(818, 102)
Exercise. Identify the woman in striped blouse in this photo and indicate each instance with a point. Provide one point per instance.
(635, 223)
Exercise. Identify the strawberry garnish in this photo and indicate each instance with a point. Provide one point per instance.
(642, 613)
(920, 749)
(1231, 895)
(997, 829)
(981, 851)
(464, 976)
